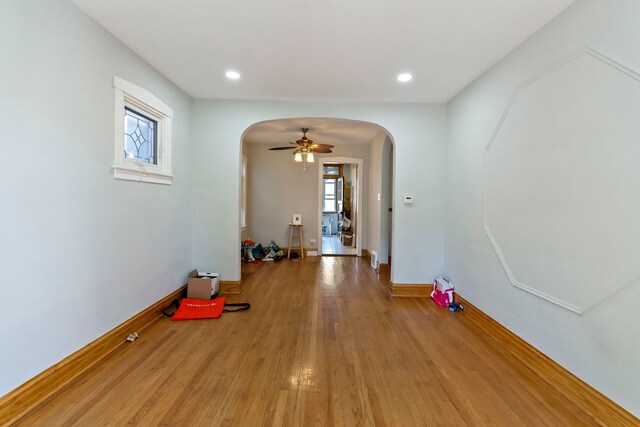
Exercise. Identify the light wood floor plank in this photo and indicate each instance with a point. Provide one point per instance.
(323, 345)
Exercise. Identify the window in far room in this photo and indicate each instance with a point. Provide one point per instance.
(243, 194)
(332, 171)
(329, 202)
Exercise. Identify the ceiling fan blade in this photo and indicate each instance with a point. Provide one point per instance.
(322, 150)
(282, 148)
(314, 146)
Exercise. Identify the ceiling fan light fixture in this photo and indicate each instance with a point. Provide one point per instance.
(305, 148)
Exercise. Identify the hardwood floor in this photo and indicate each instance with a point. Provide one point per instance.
(323, 344)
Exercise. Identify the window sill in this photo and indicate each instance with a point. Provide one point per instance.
(141, 174)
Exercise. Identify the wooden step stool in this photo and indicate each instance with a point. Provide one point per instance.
(293, 237)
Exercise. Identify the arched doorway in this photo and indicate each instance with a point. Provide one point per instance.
(295, 190)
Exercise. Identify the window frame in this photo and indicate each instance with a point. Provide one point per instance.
(335, 195)
(143, 102)
(338, 175)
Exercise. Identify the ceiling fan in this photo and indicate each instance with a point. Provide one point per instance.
(304, 149)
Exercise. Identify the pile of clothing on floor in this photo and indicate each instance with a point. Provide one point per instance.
(254, 252)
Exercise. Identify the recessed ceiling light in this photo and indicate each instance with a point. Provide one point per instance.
(404, 77)
(232, 75)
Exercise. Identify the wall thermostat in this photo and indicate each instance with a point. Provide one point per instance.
(408, 200)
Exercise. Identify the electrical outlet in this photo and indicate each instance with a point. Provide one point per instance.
(312, 241)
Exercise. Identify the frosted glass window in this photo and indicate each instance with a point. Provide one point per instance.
(140, 137)
(331, 170)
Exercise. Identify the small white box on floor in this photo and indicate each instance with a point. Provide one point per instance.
(203, 285)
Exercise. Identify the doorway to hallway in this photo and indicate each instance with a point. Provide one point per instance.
(338, 208)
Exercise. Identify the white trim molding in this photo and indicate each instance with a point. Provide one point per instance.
(612, 285)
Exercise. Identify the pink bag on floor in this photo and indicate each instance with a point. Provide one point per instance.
(442, 292)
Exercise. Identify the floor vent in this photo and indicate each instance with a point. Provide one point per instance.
(374, 260)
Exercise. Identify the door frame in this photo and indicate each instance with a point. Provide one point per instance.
(358, 205)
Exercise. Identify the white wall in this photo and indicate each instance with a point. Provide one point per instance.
(374, 188)
(418, 134)
(385, 202)
(279, 187)
(560, 192)
(79, 251)
(378, 227)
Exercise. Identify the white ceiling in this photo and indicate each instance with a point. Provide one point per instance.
(323, 50)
